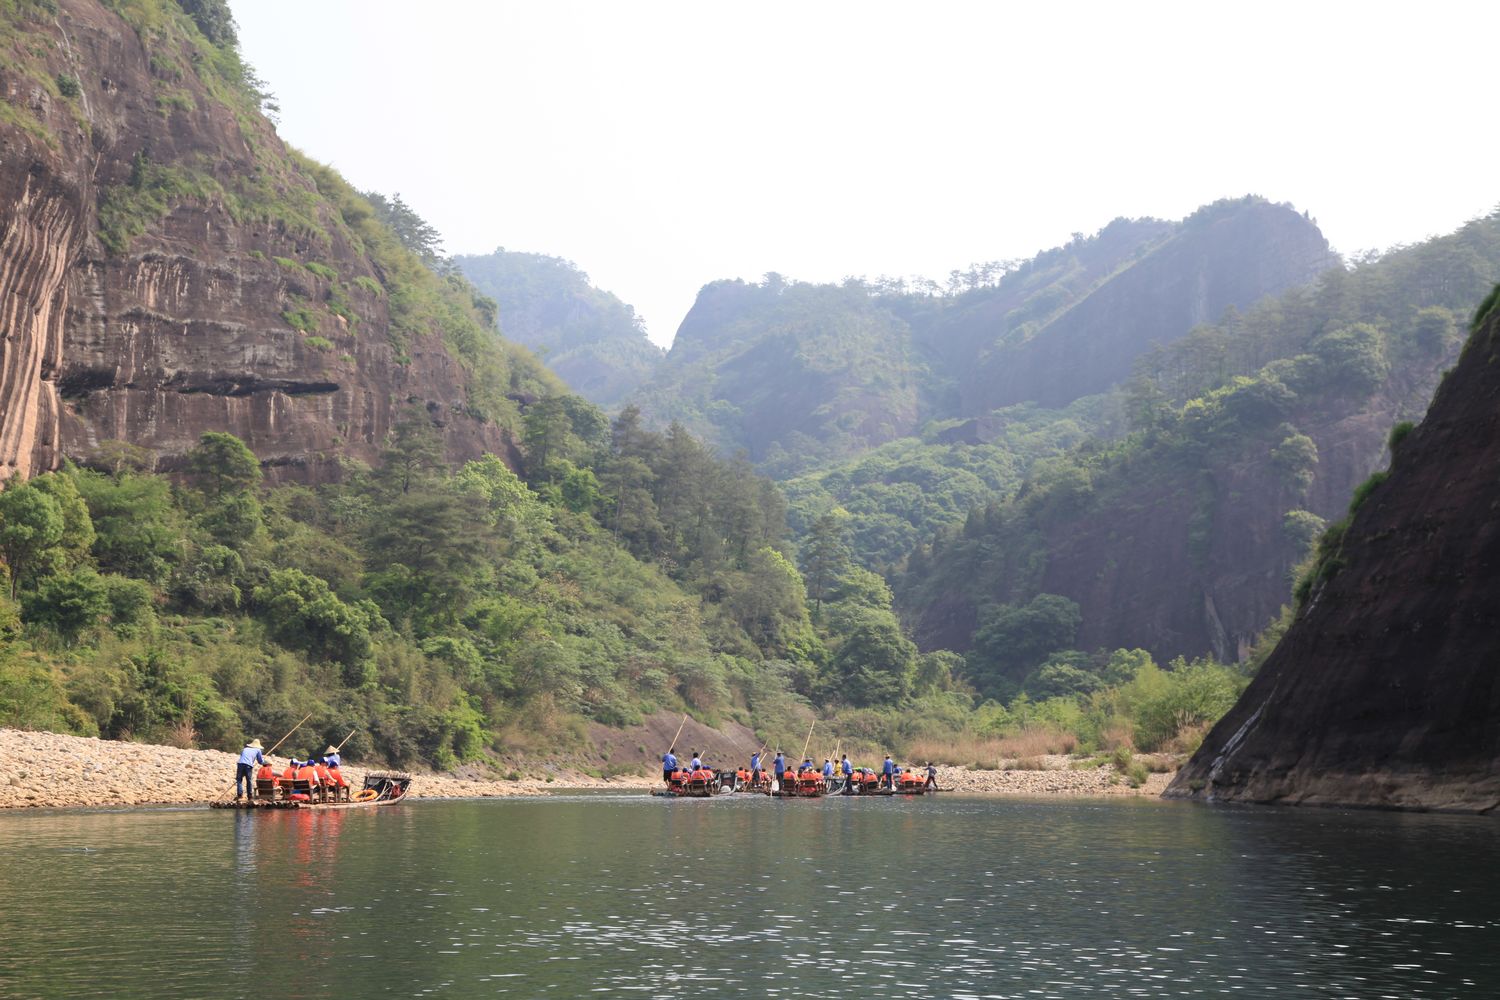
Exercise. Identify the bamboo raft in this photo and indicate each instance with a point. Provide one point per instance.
(382, 788)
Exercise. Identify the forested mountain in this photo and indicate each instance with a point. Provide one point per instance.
(800, 376)
(592, 340)
(1382, 692)
(295, 467)
(1246, 437)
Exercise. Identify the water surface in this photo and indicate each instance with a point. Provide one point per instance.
(740, 896)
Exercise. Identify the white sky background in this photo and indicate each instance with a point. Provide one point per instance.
(663, 145)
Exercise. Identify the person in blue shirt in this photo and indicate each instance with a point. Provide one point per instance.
(779, 765)
(888, 772)
(931, 776)
(244, 769)
(827, 769)
(697, 764)
(848, 770)
(331, 757)
(668, 765)
(755, 768)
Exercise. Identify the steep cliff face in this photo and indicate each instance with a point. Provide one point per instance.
(169, 268)
(1228, 254)
(1384, 691)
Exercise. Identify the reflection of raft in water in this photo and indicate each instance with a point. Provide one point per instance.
(381, 789)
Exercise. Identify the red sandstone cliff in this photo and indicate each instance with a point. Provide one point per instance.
(154, 337)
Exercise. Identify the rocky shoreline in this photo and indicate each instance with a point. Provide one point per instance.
(41, 770)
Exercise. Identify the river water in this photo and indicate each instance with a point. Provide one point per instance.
(578, 896)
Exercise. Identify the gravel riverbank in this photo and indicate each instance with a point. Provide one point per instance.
(49, 770)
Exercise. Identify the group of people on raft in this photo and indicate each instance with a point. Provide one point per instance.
(324, 778)
(891, 775)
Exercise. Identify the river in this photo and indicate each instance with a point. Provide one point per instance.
(738, 896)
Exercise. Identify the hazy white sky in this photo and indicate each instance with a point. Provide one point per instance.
(662, 145)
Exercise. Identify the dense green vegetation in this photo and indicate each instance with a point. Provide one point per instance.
(900, 494)
(439, 611)
(1235, 392)
(591, 339)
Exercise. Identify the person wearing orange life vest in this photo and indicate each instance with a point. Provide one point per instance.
(266, 773)
(325, 780)
(308, 772)
(288, 776)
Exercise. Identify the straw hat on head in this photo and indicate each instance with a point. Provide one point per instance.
(253, 744)
(332, 749)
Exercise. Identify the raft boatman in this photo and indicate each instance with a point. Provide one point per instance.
(848, 772)
(755, 768)
(244, 769)
(668, 765)
(697, 764)
(779, 766)
(827, 771)
(331, 757)
(931, 776)
(888, 773)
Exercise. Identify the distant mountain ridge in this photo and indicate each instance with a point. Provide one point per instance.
(800, 375)
(1181, 538)
(587, 336)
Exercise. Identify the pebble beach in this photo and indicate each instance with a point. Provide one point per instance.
(52, 771)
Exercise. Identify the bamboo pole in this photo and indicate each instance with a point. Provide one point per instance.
(673, 745)
(808, 741)
(346, 739)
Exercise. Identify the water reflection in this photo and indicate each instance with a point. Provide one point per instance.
(950, 897)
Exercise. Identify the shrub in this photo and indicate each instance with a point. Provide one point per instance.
(319, 344)
(1398, 434)
(1363, 490)
(321, 270)
(70, 603)
(369, 284)
(301, 319)
(67, 85)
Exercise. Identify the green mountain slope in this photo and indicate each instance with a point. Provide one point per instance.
(1181, 537)
(592, 340)
(801, 376)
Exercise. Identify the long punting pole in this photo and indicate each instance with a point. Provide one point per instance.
(673, 744)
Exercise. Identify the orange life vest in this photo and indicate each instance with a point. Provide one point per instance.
(266, 773)
(289, 775)
(323, 774)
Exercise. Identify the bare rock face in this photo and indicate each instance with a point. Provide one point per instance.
(205, 315)
(1383, 692)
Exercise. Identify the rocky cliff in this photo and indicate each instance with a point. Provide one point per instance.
(1383, 692)
(168, 267)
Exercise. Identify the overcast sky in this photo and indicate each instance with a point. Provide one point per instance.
(662, 145)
